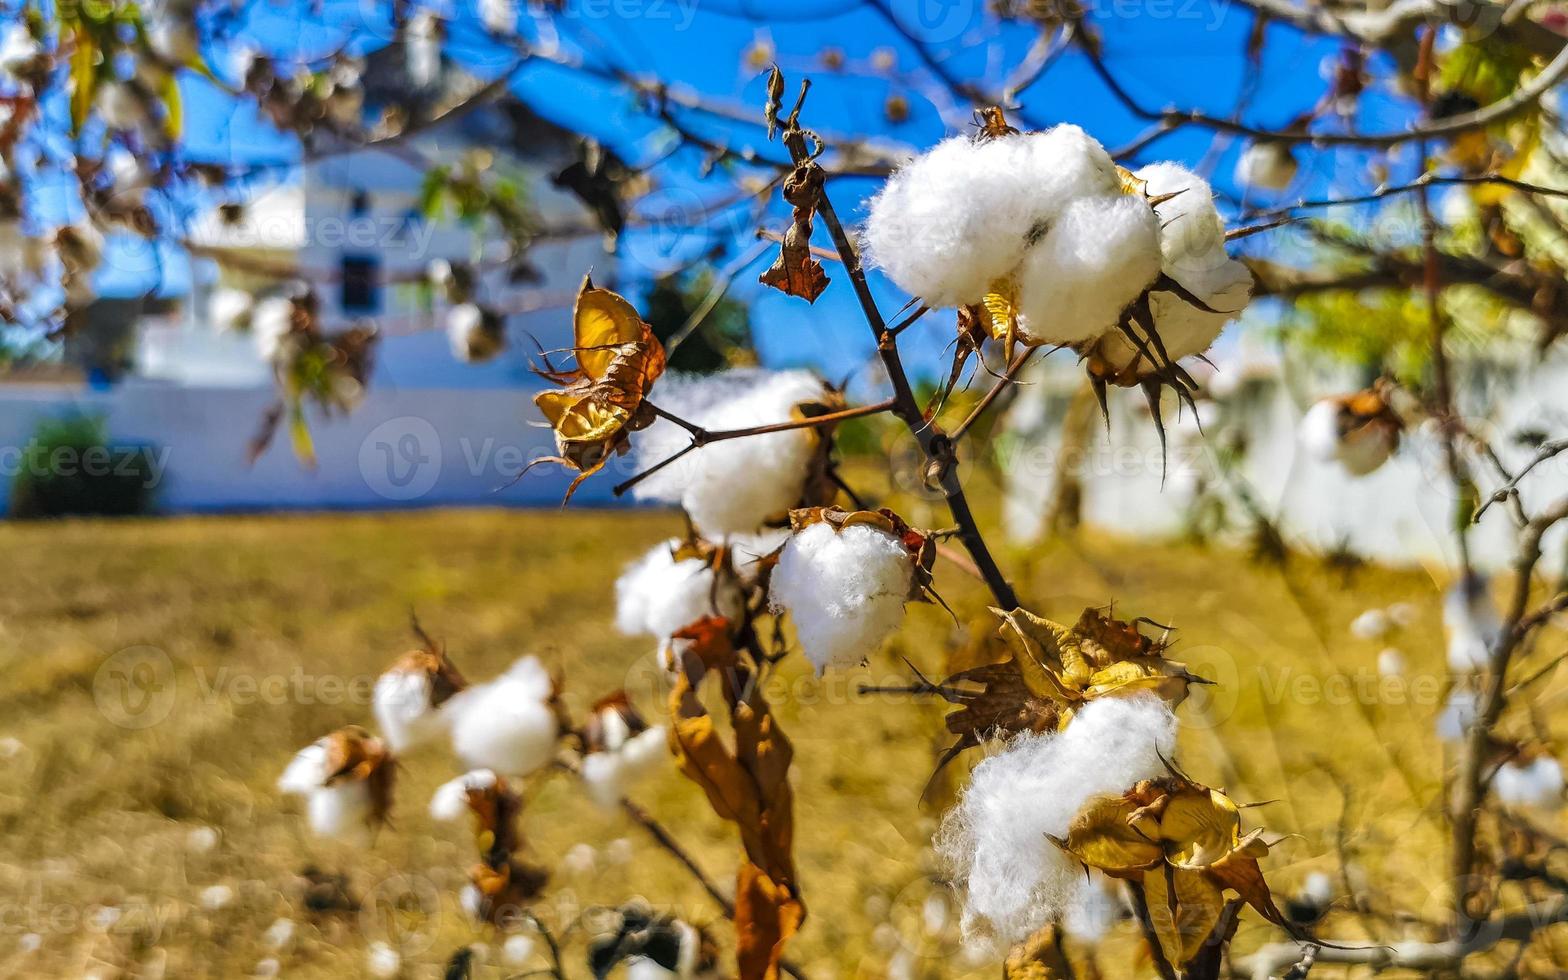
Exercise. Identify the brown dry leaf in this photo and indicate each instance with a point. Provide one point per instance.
(1183, 841)
(748, 786)
(1038, 957)
(1184, 907)
(796, 271)
(601, 401)
(1097, 657)
(505, 888)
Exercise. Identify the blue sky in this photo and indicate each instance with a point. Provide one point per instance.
(1181, 52)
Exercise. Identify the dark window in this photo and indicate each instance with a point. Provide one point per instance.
(361, 284)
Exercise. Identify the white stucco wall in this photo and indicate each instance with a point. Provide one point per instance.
(1401, 513)
(402, 448)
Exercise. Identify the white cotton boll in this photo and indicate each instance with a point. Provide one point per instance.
(1269, 165)
(844, 590)
(19, 50)
(1459, 713)
(658, 595)
(1537, 784)
(1390, 663)
(1318, 430)
(229, 309)
(954, 220)
(268, 967)
(642, 968)
(1192, 244)
(463, 321)
(601, 772)
(1099, 254)
(403, 709)
(307, 771)
(383, 961)
(342, 811)
(202, 840)
(1359, 452)
(422, 48)
(1066, 164)
(1318, 888)
(732, 486)
(620, 851)
(280, 935)
(608, 775)
(1370, 625)
(216, 897)
(994, 841)
(645, 750)
(517, 950)
(580, 860)
(450, 800)
(506, 724)
(1471, 622)
(270, 322)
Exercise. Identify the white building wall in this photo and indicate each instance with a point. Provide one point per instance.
(1401, 513)
(402, 448)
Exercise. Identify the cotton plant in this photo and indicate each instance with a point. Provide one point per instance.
(346, 779)
(1358, 432)
(844, 578)
(512, 723)
(411, 694)
(312, 366)
(738, 486)
(674, 584)
(619, 747)
(1046, 241)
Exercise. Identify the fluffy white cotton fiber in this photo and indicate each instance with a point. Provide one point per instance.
(994, 841)
(658, 595)
(1359, 451)
(955, 220)
(608, 774)
(1098, 255)
(844, 590)
(450, 800)
(507, 724)
(270, 322)
(731, 486)
(341, 810)
(403, 710)
(1537, 784)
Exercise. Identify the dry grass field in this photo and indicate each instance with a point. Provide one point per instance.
(126, 797)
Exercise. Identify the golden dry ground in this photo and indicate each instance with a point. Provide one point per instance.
(275, 626)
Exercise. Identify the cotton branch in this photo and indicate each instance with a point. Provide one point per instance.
(702, 437)
(1431, 956)
(936, 445)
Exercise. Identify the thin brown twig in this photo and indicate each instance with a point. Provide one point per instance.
(1006, 380)
(935, 444)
